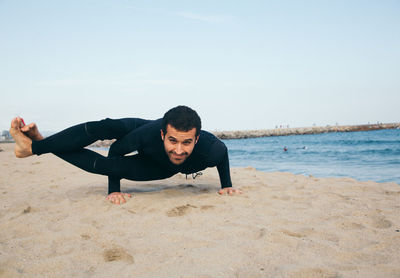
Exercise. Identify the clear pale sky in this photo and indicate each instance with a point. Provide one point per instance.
(240, 65)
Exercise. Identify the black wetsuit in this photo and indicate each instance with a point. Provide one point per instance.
(133, 134)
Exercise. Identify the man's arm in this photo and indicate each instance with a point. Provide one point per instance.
(125, 145)
(224, 170)
(131, 142)
(114, 184)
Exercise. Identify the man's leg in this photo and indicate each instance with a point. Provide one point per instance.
(71, 139)
(68, 144)
(80, 136)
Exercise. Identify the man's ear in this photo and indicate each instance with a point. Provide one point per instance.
(162, 135)
(197, 139)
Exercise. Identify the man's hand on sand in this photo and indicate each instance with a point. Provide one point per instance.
(229, 191)
(117, 197)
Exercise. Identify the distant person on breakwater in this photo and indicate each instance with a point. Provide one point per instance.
(167, 146)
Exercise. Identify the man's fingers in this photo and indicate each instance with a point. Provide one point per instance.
(229, 191)
(238, 191)
(118, 198)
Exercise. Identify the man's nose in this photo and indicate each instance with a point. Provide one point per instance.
(179, 149)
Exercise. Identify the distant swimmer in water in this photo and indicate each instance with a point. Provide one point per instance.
(285, 148)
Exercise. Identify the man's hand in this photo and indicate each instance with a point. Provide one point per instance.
(117, 197)
(229, 191)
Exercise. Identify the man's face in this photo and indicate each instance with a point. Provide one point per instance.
(179, 144)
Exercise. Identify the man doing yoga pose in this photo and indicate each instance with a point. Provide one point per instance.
(162, 148)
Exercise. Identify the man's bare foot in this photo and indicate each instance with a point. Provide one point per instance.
(23, 144)
(31, 130)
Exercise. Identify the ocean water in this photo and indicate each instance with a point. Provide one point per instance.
(365, 155)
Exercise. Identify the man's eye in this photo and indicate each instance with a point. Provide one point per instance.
(186, 143)
(172, 141)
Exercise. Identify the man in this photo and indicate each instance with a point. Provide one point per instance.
(163, 147)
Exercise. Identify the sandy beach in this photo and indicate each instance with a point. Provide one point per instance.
(55, 222)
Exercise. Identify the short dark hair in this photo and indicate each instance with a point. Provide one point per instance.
(182, 118)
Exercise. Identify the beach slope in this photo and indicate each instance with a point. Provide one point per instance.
(55, 222)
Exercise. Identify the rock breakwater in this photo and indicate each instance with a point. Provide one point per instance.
(301, 130)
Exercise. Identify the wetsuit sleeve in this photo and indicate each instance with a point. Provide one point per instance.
(114, 184)
(127, 144)
(221, 155)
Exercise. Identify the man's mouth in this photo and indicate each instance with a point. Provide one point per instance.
(178, 156)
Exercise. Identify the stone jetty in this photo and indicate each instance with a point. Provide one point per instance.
(301, 130)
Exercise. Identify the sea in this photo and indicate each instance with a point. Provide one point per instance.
(362, 155)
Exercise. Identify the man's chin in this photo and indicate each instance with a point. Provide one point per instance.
(177, 162)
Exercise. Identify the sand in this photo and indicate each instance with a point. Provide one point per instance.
(55, 222)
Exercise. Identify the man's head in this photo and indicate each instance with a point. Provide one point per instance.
(180, 131)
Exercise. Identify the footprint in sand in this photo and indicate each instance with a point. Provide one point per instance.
(387, 192)
(350, 226)
(377, 220)
(207, 207)
(180, 211)
(380, 222)
(85, 236)
(117, 254)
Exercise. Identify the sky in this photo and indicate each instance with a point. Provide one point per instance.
(240, 64)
